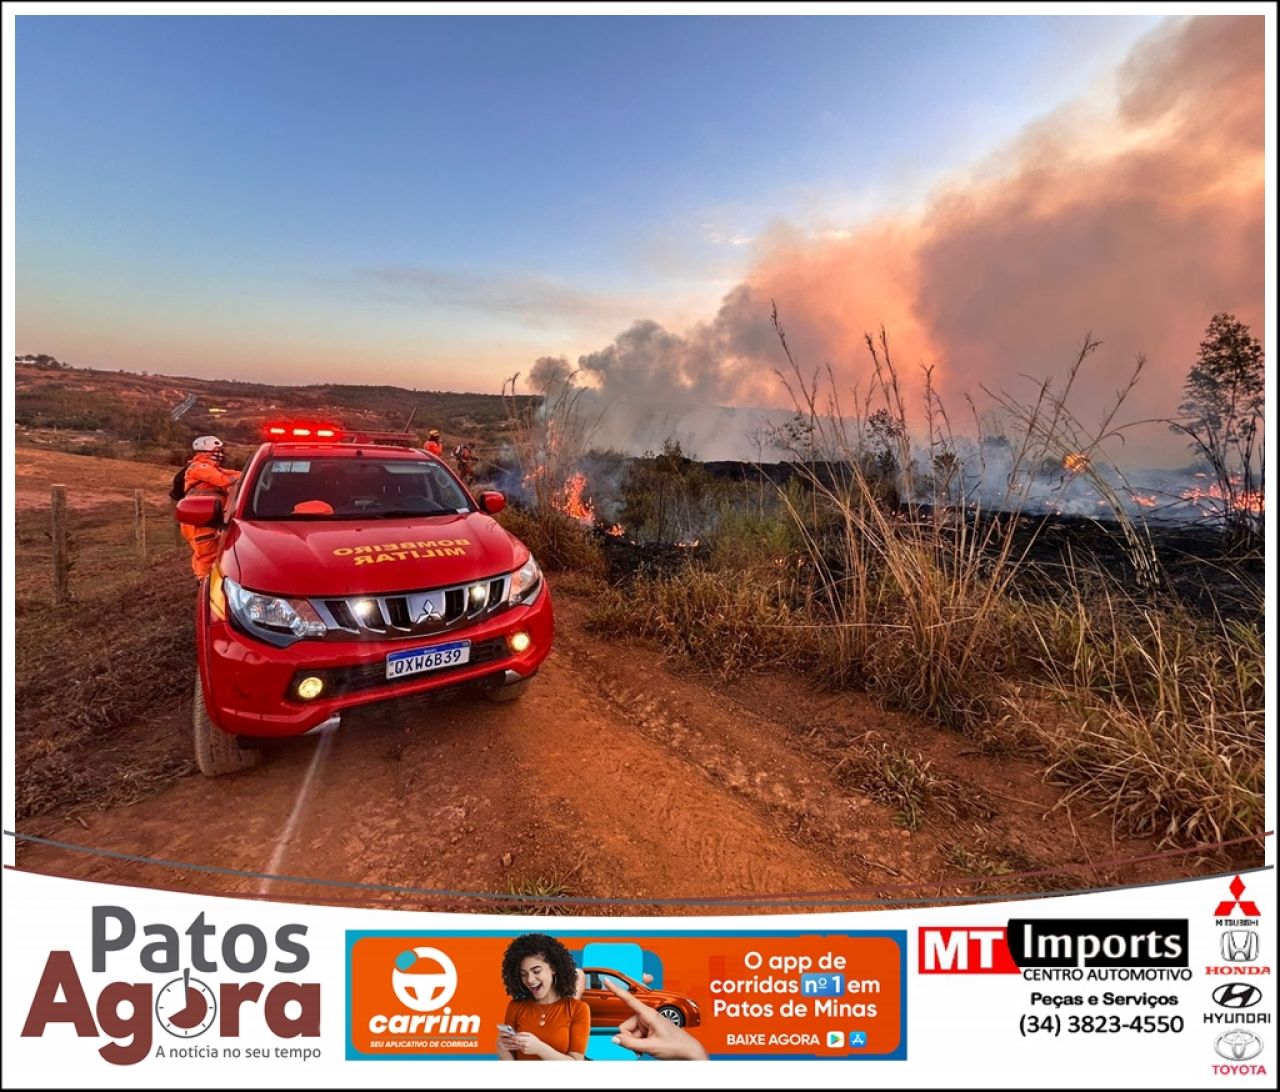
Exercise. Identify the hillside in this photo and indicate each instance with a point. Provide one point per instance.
(128, 414)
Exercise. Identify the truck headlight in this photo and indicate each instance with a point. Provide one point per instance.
(271, 617)
(525, 582)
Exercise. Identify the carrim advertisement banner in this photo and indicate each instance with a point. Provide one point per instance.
(1171, 986)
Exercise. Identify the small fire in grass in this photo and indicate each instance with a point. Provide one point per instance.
(568, 500)
(1075, 463)
(616, 531)
(1143, 501)
(1244, 501)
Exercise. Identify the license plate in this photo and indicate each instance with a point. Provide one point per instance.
(414, 661)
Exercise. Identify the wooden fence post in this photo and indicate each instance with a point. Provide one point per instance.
(61, 561)
(139, 524)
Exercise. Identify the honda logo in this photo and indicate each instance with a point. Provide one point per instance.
(1240, 945)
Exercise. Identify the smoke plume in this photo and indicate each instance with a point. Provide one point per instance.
(1136, 220)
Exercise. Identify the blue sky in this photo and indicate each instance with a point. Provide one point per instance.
(449, 198)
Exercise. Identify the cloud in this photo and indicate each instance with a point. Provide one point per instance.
(531, 299)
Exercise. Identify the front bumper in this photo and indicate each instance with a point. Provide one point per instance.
(248, 684)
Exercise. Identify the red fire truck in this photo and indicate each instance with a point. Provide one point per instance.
(353, 568)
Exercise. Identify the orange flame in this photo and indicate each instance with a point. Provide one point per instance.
(569, 500)
(617, 530)
(1251, 502)
(1075, 463)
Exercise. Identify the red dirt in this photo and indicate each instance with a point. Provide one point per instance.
(616, 777)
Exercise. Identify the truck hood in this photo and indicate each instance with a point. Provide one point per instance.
(367, 557)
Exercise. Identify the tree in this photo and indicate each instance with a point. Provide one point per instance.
(1222, 417)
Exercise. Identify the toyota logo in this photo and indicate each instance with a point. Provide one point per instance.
(1238, 1046)
(1237, 995)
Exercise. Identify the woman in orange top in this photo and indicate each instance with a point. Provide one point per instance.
(548, 1022)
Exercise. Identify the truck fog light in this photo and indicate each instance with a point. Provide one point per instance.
(310, 687)
(519, 641)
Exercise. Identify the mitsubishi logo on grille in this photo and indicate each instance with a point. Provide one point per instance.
(429, 612)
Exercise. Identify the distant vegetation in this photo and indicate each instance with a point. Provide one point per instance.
(129, 414)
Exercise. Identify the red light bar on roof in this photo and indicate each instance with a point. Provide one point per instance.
(301, 430)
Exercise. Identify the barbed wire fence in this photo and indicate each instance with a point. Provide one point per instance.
(137, 529)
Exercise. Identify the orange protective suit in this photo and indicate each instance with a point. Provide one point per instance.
(204, 475)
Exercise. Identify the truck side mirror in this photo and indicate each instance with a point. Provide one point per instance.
(202, 510)
(492, 501)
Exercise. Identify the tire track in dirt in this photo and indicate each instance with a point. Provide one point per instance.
(791, 789)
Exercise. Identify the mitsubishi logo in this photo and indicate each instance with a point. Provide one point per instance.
(429, 612)
(1248, 908)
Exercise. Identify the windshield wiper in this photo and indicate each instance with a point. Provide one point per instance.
(397, 513)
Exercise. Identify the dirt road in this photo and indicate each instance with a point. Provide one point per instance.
(619, 776)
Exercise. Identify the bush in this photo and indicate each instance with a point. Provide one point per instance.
(557, 542)
(722, 622)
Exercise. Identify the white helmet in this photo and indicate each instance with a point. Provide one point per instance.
(209, 444)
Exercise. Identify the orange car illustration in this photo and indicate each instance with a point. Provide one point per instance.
(608, 1011)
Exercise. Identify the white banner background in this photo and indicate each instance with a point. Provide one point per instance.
(963, 1030)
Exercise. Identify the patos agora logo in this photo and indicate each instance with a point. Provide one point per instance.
(149, 977)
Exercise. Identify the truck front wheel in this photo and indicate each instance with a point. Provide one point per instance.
(510, 692)
(217, 752)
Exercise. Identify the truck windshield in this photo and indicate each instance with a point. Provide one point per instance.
(341, 487)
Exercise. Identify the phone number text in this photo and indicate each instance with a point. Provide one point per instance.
(1102, 1024)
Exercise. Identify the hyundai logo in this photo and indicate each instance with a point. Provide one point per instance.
(1237, 995)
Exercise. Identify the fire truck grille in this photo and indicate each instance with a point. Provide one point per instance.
(411, 614)
(347, 680)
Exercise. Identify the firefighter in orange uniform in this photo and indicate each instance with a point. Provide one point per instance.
(433, 442)
(205, 475)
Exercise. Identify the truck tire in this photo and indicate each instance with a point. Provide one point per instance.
(217, 752)
(509, 693)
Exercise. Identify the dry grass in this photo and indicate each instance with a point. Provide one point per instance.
(537, 892)
(89, 671)
(721, 622)
(1159, 714)
(580, 585)
(974, 851)
(559, 543)
(907, 782)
